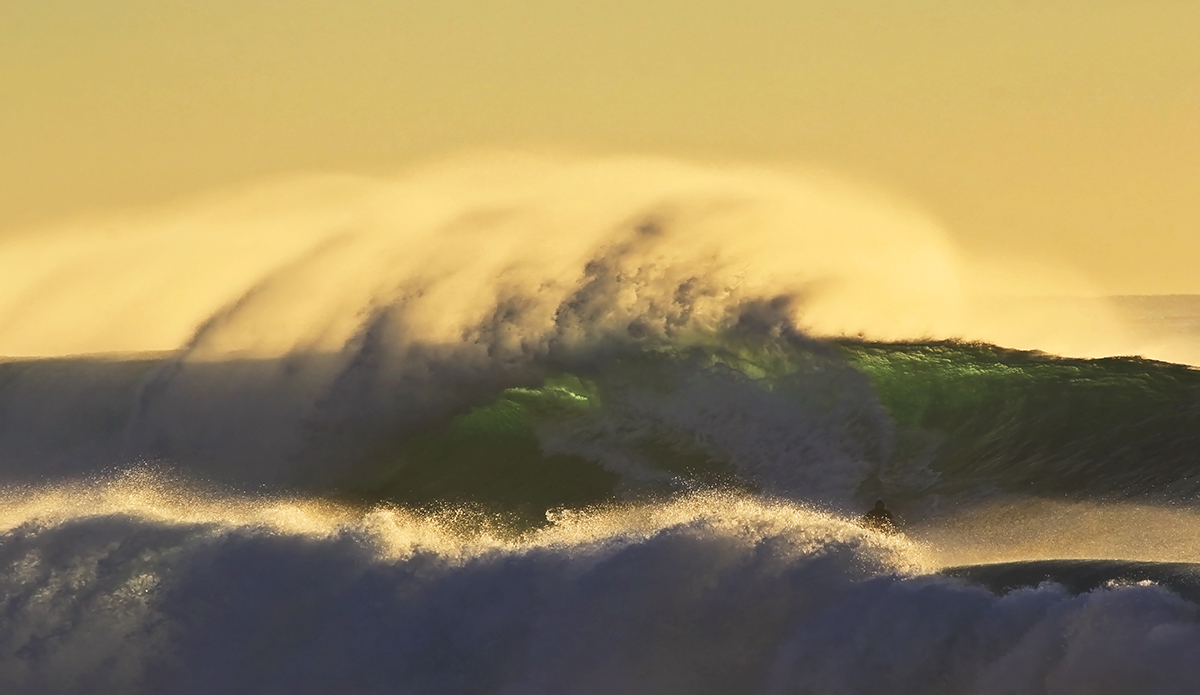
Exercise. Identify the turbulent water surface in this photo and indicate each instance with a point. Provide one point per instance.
(457, 458)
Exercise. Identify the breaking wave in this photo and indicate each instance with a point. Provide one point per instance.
(135, 586)
(580, 427)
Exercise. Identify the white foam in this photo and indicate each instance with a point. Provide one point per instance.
(143, 589)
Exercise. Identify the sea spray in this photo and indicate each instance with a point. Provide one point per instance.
(519, 425)
(147, 586)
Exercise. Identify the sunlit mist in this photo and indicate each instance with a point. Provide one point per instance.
(298, 266)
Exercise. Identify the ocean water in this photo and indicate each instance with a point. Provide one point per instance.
(639, 473)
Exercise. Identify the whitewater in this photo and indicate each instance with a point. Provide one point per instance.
(516, 424)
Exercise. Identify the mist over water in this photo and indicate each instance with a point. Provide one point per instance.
(504, 242)
(509, 424)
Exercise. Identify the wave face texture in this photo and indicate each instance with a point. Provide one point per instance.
(442, 445)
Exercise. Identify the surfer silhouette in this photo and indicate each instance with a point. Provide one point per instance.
(880, 519)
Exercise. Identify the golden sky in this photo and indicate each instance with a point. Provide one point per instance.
(1058, 131)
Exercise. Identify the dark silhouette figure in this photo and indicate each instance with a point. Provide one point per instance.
(880, 519)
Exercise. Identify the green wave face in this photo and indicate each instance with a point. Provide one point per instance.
(491, 456)
(1031, 423)
(831, 425)
(771, 417)
(946, 418)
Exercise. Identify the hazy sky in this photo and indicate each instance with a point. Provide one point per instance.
(1054, 130)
